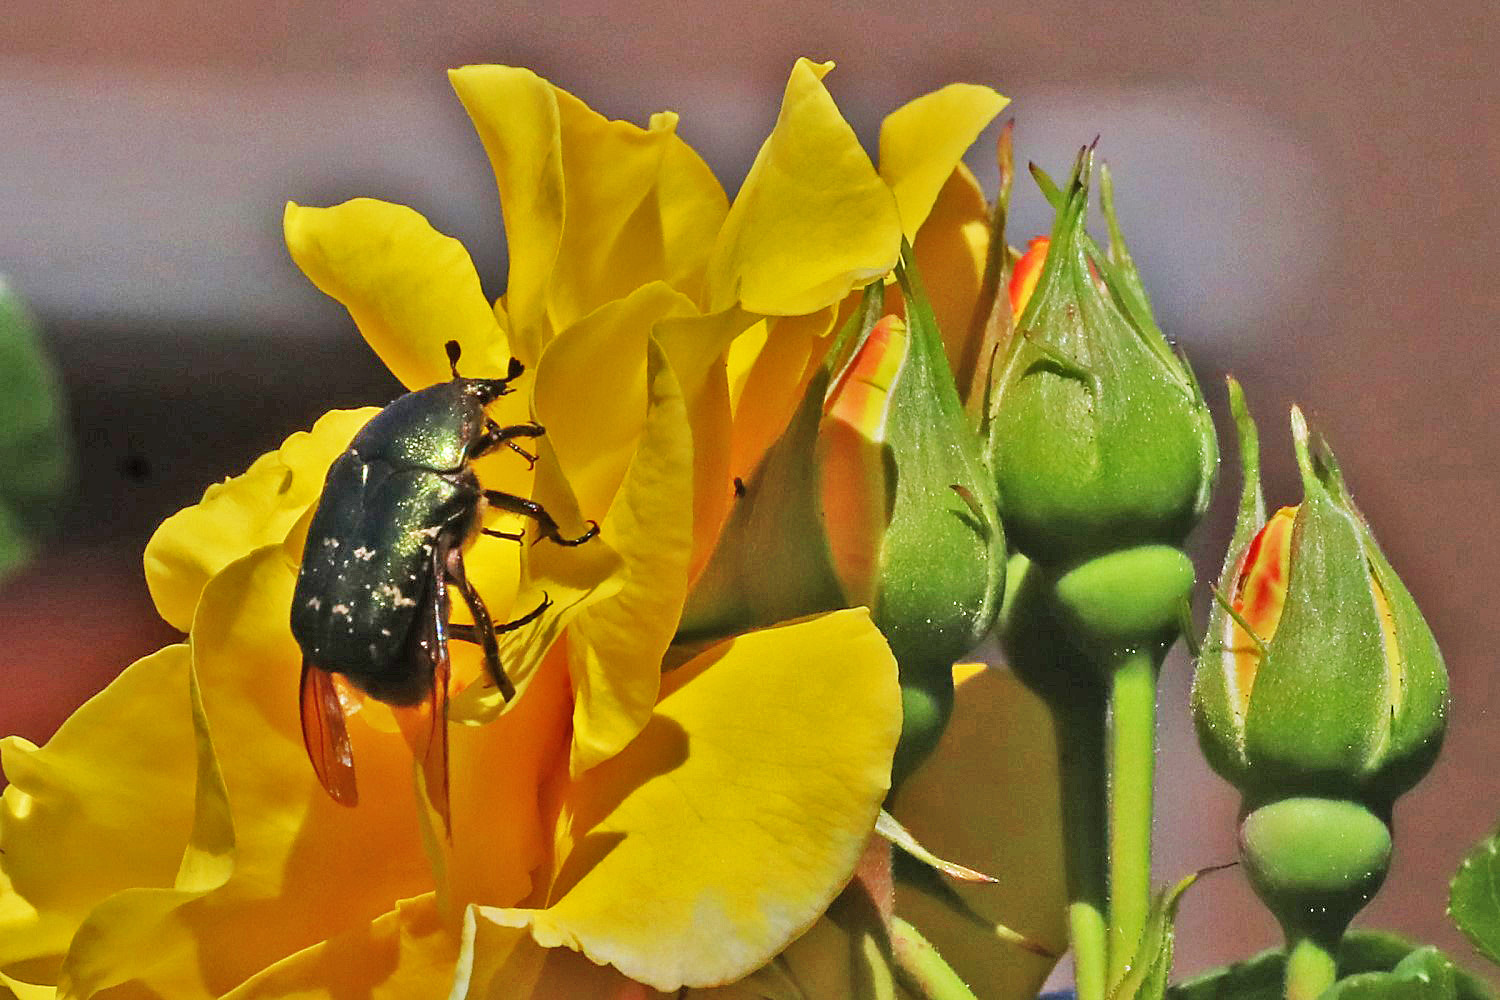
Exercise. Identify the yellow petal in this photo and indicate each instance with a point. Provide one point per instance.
(738, 812)
(403, 953)
(820, 963)
(774, 384)
(495, 962)
(616, 646)
(305, 868)
(245, 512)
(922, 141)
(15, 989)
(118, 772)
(409, 288)
(594, 408)
(107, 948)
(813, 218)
(696, 347)
(500, 836)
(989, 798)
(950, 251)
(571, 578)
(593, 208)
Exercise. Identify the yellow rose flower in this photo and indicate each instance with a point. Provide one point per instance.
(613, 826)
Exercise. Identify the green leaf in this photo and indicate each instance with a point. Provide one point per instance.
(1260, 977)
(1474, 897)
(35, 459)
(1146, 976)
(1425, 974)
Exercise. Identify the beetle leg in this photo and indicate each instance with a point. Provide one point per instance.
(325, 736)
(495, 436)
(454, 567)
(530, 508)
(513, 536)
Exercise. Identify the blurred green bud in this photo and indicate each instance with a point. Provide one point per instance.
(36, 454)
(1319, 675)
(1098, 435)
(1315, 862)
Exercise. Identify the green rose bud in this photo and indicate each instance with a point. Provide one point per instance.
(1099, 437)
(876, 496)
(1319, 675)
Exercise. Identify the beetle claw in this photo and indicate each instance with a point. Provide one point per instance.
(592, 532)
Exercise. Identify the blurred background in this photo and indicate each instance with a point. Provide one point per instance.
(1309, 190)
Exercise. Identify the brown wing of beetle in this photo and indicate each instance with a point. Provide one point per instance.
(325, 736)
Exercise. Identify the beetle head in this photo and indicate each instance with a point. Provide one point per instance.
(486, 389)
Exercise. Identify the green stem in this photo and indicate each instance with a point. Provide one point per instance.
(1133, 766)
(1310, 967)
(1079, 721)
(920, 969)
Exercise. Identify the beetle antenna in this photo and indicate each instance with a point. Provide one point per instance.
(454, 351)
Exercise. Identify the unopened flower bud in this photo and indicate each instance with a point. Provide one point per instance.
(876, 495)
(1319, 675)
(1098, 435)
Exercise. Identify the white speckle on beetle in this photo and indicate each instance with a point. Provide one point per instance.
(340, 609)
(315, 603)
(363, 554)
(386, 632)
(330, 543)
(397, 596)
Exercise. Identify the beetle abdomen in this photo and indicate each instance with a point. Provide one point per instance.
(367, 569)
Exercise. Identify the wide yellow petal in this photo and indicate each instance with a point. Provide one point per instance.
(989, 798)
(257, 507)
(616, 646)
(950, 253)
(305, 868)
(593, 208)
(739, 811)
(813, 218)
(409, 288)
(106, 805)
(922, 141)
(403, 953)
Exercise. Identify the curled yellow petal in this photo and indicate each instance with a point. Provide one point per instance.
(988, 797)
(616, 645)
(740, 810)
(924, 140)
(409, 288)
(813, 218)
(594, 410)
(257, 507)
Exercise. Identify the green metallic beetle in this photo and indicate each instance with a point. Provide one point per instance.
(371, 603)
